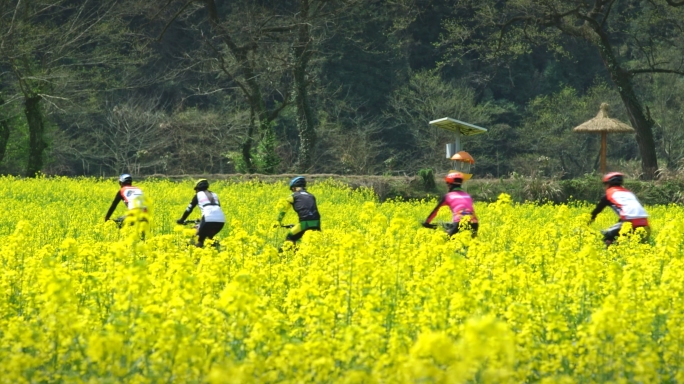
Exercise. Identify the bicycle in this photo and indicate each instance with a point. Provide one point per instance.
(451, 228)
(119, 221)
(140, 222)
(196, 224)
(446, 225)
(286, 226)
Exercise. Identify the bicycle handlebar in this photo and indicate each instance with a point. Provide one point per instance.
(440, 224)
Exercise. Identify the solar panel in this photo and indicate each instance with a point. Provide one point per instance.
(454, 125)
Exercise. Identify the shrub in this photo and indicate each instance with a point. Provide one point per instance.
(427, 176)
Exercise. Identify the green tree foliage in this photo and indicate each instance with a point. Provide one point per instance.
(241, 47)
(667, 109)
(553, 149)
(632, 37)
(427, 97)
(51, 54)
(340, 86)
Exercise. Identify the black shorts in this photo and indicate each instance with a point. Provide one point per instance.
(455, 227)
(208, 230)
(295, 237)
(611, 233)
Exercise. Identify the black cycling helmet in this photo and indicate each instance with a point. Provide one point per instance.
(614, 178)
(201, 185)
(125, 179)
(298, 181)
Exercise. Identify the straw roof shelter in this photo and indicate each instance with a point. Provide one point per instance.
(604, 125)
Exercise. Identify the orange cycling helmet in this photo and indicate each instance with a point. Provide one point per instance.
(454, 178)
(613, 178)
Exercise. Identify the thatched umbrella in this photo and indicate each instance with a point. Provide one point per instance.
(604, 125)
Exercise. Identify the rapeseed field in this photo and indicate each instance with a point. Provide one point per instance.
(373, 298)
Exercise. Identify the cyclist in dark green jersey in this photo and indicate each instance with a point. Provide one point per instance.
(304, 203)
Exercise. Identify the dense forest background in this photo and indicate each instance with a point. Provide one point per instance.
(336, 86)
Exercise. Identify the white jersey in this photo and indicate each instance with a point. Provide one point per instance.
(625, 203)
(210, 207)
(133, 197)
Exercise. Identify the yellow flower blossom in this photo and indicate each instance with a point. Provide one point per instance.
(372, 298)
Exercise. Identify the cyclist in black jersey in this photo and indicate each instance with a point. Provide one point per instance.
(304, 203)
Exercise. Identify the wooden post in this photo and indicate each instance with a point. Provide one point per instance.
(603, 152)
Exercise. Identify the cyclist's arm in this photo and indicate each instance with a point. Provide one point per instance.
(283, 209)
(116, 201)
(191, 206)
(434, 212)
(599, 207)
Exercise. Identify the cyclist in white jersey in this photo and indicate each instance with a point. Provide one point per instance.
(213, 219)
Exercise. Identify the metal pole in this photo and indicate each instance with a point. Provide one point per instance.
(457, 142)
(455, 147)
(603, 152)
(449, 150)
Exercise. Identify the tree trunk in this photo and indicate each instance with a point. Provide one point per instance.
(641, 123)
(37, 144)
(264, 150)
(267, 160)
(305, 121)
(247, 146)
(4, 134)
(4, 138)
(266, 155)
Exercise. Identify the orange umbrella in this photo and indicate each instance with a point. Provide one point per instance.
(463, 156)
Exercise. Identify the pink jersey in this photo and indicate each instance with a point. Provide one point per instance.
(461, 204)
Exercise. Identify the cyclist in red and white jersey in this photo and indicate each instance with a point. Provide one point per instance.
(130, 195)
(624, 203)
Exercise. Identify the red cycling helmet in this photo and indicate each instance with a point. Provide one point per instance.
(613, 178)
(454, 178)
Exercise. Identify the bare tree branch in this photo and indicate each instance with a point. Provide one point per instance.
(85, 30)
(632, 72)
(222, 65)
(160, 11)
(607, 13)
(596, 9)
(642, 48)
(175, 16)
(14, 15)
(507, 24)
(274, 113)
(549, 20)
(287, 28)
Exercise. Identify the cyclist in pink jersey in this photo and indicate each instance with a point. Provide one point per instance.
(460, 203)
